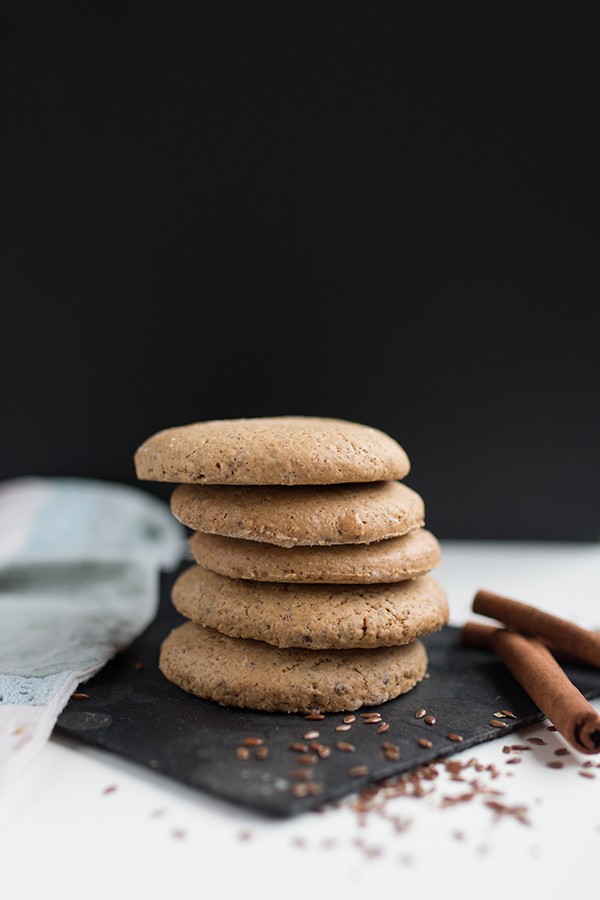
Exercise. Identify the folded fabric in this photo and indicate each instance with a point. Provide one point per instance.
(79, 567)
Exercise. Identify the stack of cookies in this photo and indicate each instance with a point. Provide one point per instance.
(309, 590)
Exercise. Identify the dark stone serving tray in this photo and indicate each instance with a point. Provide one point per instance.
(134, 711)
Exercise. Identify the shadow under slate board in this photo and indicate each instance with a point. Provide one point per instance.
(132, 710)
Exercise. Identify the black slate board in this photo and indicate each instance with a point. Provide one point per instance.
(138, 714)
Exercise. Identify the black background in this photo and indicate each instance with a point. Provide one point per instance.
(386, 212)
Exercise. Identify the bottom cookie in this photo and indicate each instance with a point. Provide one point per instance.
(252, 674)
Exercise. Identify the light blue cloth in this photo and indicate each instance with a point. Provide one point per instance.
(79, 578)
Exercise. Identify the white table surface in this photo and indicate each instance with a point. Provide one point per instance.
(64, 835)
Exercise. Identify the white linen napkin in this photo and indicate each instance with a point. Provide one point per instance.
(79, 579)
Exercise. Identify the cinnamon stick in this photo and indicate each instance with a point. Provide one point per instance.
(476, 634)
(536, 670)
(564, 636)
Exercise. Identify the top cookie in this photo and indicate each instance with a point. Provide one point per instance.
(282, 450)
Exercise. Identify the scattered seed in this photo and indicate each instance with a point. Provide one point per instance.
(261, 752)
(306, 789)
(345, 747)
(420, 713)
(358, 771)
(520, 747)
(499, 715)
(457, 738)
(110, 789)
(343, 727)
(299, 748)
(538, 741)
(245, 836)
(311, 735)
(383, 728)
(366, 715)
(323, 752)
(178, 833)
(551, 728)
(513, 761)
(253, 741)
(301, 774)
(314, 717)
(81, 696)
(349, 719)
(430, 720)
(423, 742)
(562, 751)
(554, 764)
(496, 723)
(507, 748)
(586, 774)
(587, 765)
(507, 712)
(373, 721)
(138, 666)
(242, 753)
(308, 759)
(391, 754)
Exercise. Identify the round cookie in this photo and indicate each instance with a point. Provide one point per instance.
(395, 559)
(303, 515)
(278, 450)
(237, 672)
(314, 616)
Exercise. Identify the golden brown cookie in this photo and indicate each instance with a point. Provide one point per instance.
(303, 515)
(278, 450)
(314, 616)
(236, 672)
(395, 559)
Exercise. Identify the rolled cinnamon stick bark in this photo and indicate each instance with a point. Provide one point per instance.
(476, 634)
(536, 670)
(564, 636)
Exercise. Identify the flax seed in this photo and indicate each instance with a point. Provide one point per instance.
(555, 764)
(562, 751)
(311, 735)
(513, 760)
(457, 738)
(314, 717)
(507, 712)
(420, 713)
(499, 715)
(538, 741)
(242, 753)
(323, 752)
(430, 720)
(349, 719)
(343, 727)
(585, 774)
(423, 742)
(81, 696)
(358, 771)
(383, 728)
(391, 754)
(301, 774)
(345, 747)
(138, 666)
(253, 741)
(299, 748)
(308, 759)
(496, 723)
(261, 752)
